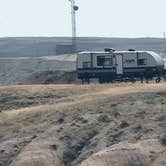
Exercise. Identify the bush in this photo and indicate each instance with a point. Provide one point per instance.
(124, 124)
(104, 119)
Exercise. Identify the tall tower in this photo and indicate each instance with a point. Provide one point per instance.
(74, 8)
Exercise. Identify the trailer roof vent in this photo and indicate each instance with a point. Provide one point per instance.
(131, 50)
(109, 50)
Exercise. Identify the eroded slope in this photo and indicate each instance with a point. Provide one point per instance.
(69, 128)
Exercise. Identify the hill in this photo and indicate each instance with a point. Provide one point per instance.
(69, 125)
(46, 46)
(19, 70)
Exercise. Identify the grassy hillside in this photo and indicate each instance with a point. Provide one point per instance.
(69, 125)
(44, 46)
(32, 70)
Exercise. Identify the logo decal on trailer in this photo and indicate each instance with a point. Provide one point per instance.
(129, 61)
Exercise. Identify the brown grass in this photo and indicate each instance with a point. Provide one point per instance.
(79, 107)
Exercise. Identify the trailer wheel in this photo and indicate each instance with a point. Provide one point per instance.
(101, 80)
(133, 80)
(142, 79)
(158, 80)
(147, 80)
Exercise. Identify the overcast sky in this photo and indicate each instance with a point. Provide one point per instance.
(108, 18)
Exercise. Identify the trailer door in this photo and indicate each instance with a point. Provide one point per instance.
(119, 64)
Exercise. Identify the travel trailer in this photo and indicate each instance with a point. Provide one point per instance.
(111, 65)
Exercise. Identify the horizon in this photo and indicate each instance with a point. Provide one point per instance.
(112, 37)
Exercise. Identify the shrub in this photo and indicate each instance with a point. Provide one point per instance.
(124, 124)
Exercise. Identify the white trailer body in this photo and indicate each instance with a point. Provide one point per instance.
(109, 65)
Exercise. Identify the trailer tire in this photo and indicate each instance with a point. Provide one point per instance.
(158, 80)
(101, 80)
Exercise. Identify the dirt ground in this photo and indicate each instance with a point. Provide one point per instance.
(85, 125)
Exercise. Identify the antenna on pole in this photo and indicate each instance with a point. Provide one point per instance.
(74, 8)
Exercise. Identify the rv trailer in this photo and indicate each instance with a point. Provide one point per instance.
(111, 66)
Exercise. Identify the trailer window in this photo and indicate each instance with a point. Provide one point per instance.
(108, 62)
(100, 60)
(142, 61)
(104, 61)
(86, 64)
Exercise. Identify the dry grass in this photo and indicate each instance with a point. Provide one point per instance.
(73, 115)
(87, 94)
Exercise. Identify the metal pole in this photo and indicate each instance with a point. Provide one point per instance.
(74, 8)
(73, 21)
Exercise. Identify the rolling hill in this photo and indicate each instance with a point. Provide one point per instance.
(45, 46)
(89, 125)
(26, 70)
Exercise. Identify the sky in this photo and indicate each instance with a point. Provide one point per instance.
(101, 18)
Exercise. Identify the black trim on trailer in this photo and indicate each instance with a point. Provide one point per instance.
(140, 67)
(127, 72)
(137, 58)
(91, 56)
